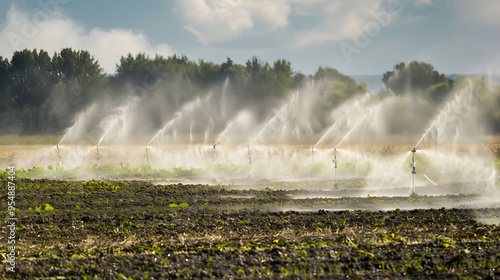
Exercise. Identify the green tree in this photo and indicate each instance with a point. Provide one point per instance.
(41, 93)
(142, 71)
(207, 73)
(8, 113)
(80, 81)
(226, 65)
(33, 77)
(237, 73)
(335, 86)
(298, 79)
(283, 76)
(133, 69)
(417, 78)
(5, 85)
(258, 72)
(80, 75)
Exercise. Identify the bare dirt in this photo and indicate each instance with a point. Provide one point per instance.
(140, 230)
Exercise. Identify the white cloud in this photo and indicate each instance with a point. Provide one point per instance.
(485, 12)
(53, 32)
(213, 21)
(344, 20)
(422, 2)
(221, 20)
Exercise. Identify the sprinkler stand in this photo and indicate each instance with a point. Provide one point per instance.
(335, 162)
(58, 152)
(413, 172)
(147, 160)
(215, 152)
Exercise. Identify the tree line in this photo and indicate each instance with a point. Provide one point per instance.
(41, 94)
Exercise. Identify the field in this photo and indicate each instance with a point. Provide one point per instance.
(150, 226)
(141, 230)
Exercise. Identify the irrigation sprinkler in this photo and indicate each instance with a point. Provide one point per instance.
(147, 159)
(215, 153)
(312, 154)
(58, 152)
(149, 163)
(413, 172)
(335, 162)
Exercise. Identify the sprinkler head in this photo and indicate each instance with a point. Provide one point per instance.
(335, 161)
(414, 150)
(215, 145)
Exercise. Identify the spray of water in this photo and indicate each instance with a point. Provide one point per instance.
(278, 119)
(369, 113)
(345, 113)
(456, 111)
(426, 132)
(80, 128)
(71, 129)
(235, 129)
(165, 128)
(186, 112)
(224, 133)
(116, 121)
(351, 130)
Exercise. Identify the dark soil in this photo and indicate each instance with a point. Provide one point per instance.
(138, 230)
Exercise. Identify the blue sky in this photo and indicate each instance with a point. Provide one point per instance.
(356, 37)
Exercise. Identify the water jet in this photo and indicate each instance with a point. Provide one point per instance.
(430, 180)
(186, 112)
(346, 112)
(277, 119)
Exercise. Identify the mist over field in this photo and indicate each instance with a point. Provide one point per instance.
(199, 100)
(225, 122)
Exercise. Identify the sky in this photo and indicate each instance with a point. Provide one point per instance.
(357, 37)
